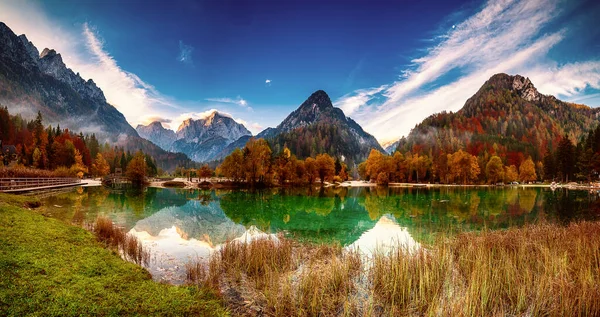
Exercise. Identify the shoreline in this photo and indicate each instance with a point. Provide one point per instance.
(212, 184)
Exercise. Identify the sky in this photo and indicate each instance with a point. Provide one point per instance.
(386, 64)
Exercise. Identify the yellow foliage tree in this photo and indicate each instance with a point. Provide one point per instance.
(100, 166)
(233, 166)
(136, 169)
(463, 166)
(420, 164)
(310, 169)
(257, 159)
(494, 170)
(527, 171)
(79, 168)
(510, 174)
(325, 167)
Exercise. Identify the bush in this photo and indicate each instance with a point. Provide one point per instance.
(174, 184)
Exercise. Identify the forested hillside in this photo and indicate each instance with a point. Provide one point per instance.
(507, 118)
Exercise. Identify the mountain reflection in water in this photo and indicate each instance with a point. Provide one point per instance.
(181, 225)
(387, 235)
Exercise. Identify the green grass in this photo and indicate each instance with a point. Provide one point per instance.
(49, 268)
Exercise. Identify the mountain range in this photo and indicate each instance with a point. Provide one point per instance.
(202, 140)
(506, 117)
(315, 127)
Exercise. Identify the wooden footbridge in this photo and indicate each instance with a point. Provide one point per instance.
(18, 185)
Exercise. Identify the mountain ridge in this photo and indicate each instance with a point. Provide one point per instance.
(44, 83)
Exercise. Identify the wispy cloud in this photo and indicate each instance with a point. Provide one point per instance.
(503, 36)
(125, 90)
(237, 101)
(164, 121)
(268, 82)
(185, 53)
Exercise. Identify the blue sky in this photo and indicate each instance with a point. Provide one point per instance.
(387, 64)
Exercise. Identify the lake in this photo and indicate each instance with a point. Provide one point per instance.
(179, 225)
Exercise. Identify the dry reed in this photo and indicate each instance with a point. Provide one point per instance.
(540, 270)
(113, 236)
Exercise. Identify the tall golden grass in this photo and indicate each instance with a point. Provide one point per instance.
(113, 236)
(539, 270)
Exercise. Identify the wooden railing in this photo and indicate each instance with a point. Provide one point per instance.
(17, 184)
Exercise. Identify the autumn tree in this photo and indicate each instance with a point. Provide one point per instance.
(136, 169)
(79, 167)
(539, 169)
(257, 160)
(527, 171)
(233, 166)
(204, 172)
(494, 170)
(510, 174)
(310, 169)
(300, 172)
(463, 166)
(420, 164)
(100, 166)
(343, 174)
(378, 167)
(399, 167)
(283, 166)
(325, 167)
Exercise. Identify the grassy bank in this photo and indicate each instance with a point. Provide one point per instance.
(540, 270)
(49, 268)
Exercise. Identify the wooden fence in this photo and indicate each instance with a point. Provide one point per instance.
(24, 184)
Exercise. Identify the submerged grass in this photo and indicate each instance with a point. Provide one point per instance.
(49, 268)
(539, 270)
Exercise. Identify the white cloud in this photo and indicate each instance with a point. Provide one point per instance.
(185, 53)
(237, 101)
(352, 102)
(268, 82)
(567, 80)
(504, 36)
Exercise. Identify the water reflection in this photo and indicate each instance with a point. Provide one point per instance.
(385, 236)
(180, 225)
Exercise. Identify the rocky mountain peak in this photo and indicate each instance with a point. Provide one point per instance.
(49, 53)
(524, 87)
(318, 100)
(157, 134)
(32, 51)
(51, 63)
(15, 48)
(156, 124)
